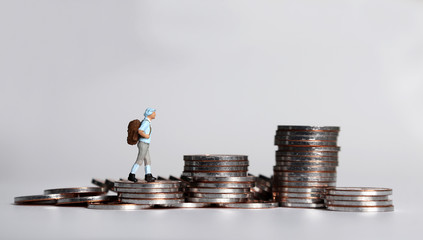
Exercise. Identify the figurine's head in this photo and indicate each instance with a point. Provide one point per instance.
(150, 113)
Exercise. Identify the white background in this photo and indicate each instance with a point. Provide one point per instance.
(222, 75)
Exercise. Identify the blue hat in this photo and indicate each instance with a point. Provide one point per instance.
(149, 111)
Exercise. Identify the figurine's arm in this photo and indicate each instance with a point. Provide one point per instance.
(143, 134)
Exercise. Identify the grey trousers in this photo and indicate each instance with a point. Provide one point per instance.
(143, 154)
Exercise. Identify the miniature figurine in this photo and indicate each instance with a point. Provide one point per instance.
(143, 143)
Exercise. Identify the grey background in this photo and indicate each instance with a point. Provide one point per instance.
(222, 75)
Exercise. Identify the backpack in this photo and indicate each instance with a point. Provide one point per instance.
(133, 135)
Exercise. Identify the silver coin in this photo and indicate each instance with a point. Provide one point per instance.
(145, 184)
(79, 190)
(161, 178)
(309, 128)
(117, 206)
(300, 200)
(309, 149)
(213, 169)
(287, 153)
(305, 179)
(147, 190)
(215, 157)
(306, 133)
(304, 174)
(224, 179)
(302, 205)
(358, 203)
(362, 191)
(295, 168)
(215, 174)
(221, 185)
(306, 138)
(85, 199)
(41, 199)
(186, 205)
(361, 209)
(100, 182)
(219, 190)
(299, 190)
(302, 158)
(357, 198)
(248, 205)
(151, 195)
(304, 143)
(298, 195)
(151, 201)
(306, 164)
(221, 195)
(216, 163)
(216, 200)
(306, 184)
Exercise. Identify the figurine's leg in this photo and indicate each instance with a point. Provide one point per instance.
(142, 151)
(147, 161)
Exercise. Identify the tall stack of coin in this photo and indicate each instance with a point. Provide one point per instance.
(306, 162)
(217, 179)
(160, 192)
(363, 199)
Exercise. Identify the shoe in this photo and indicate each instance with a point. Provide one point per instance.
(132, 178)
(149, 178)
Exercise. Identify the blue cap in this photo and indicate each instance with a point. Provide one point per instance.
(149, 111)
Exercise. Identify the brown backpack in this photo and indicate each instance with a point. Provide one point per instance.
(133, 135)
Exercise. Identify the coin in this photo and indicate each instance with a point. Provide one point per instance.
(308, 158)
(224, 179)
(85, 199)
(215, 174)
(304, 168)
(152, 201)
(306, 184)
(117, 206)
(219, 190)
(306, 164)
(300, 189)
(216, 200)
(314, 154)
(358, 203)
(304, 143)
(362, 191)
(145, 184)
(215, 157)
(79, 190)
(298, 195)
(221, 185)
(147, 190)
(41, 199)
(216, 163)
(300, 200)
(306, 133)
(308, 149)
(309, 128)
(306, 138)
(186, 205)
(307, 179)
(99, 182)
(302, 205)
(304, 174)
(220, 195)
(151, 195)
(357, 198)
(361, 209)
(248, 205)
(212, 169)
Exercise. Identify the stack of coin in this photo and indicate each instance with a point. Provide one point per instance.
(359, 199)
(262, 190)
(306, 162)
(159, 192)
(215, 166)
(219, 190)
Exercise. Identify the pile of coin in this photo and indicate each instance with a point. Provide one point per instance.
(217, 179)
(306, 162)
(159, 192)
(363, 199)
(68, 196)
(262, 190)
(215, 166)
